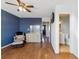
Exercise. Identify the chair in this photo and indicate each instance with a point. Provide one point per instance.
(19, 39)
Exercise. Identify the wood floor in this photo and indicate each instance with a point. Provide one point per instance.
(64, 48)
(34, 51)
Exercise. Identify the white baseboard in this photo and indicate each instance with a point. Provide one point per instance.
(6, 46)
(56, 52)
(74, 54)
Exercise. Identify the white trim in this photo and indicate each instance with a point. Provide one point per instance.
(6, 46)
(74, 54)
(56, 52)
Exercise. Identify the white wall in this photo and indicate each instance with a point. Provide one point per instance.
(46, 19)
(72, 10)
(69, 7)
(53, 41)
(74, 35)
(55, 34)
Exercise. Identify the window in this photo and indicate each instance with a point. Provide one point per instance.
(34, 28)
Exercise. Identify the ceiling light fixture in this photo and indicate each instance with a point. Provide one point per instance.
(21, 9)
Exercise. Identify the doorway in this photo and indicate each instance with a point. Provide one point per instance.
(45, 32)
(64, 30)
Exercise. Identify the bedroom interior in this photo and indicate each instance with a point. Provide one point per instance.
(43, 29)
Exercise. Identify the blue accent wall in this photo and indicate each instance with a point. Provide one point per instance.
(26, 22)
(9, 25)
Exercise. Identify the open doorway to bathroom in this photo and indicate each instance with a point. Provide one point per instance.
(64, 20)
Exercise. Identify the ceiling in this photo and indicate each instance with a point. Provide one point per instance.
(42, 8)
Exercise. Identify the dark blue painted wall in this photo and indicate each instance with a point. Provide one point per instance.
(26, 22)
(9, 25)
